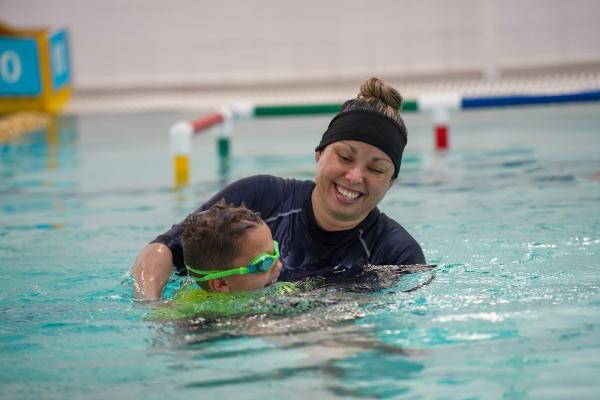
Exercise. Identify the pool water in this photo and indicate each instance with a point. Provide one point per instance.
(510, 214)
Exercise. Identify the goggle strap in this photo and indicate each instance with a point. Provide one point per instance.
(208, 275)
(236, 271)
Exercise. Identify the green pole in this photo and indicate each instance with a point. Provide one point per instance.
(298, 109)
(313, 109)
(223, 146)
(410, 105)
(224, 150)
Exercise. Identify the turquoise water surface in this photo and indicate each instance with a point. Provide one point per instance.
(510, 214)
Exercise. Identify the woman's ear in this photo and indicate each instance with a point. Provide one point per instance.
(218, 285)
(317, 155)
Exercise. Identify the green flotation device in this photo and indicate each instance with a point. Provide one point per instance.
(290, 298)
(192, 301)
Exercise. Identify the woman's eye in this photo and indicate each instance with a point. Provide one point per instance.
(344, 157)
(377, 169)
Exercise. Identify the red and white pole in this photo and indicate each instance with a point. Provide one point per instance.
(440, 106)
(441, 131)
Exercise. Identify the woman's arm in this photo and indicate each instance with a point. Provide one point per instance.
(152, 269)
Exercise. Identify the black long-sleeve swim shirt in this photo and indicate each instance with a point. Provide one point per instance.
(306, 249)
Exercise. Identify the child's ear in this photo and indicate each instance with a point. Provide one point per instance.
(218, 285)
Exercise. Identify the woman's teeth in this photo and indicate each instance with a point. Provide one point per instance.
(348, 194)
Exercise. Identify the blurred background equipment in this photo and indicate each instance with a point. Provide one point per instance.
(198, 55)
(34, 69)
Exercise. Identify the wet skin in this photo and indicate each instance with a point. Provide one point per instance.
(255, 241)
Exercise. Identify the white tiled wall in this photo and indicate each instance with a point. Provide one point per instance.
(152, 43)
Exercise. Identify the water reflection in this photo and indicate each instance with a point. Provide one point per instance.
(33, 168)
(49, 148)
(320, 331)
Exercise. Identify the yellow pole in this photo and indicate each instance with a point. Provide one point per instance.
(180, 137)
(181, 164)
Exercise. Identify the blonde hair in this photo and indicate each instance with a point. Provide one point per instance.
(376, 95)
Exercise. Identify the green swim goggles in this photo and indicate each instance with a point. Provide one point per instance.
(261, 263)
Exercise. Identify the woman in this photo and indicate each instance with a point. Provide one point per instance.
(325, 228)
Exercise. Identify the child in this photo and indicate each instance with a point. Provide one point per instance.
(230, 253)
(229, 249)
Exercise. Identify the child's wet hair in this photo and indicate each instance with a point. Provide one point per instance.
(210, 238)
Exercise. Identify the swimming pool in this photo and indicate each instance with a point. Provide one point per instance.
(510, 215)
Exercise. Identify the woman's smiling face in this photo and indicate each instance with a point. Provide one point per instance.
(351, 179)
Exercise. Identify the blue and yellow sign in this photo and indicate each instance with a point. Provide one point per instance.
(35, 71)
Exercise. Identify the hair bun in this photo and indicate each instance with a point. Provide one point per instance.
(375, 88)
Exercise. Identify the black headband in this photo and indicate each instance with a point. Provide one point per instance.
(369, 127)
